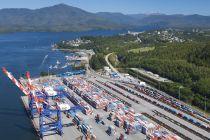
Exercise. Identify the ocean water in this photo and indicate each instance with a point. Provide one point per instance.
(21, 52)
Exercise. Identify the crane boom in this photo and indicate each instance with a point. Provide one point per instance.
(32, 88)
(29, 81)
(26, 92)
(15, 81)
(20, 86)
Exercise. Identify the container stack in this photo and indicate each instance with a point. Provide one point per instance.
(53, 89)
(132, 122)
(148, 128)
(164, 135)
(86, 109)
(111, 130)
(77, 119)
(96, 97)
(114, 105)
(123, 115)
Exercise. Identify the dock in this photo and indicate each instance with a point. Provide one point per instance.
(69, 130)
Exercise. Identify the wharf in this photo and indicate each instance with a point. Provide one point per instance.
(70, 132)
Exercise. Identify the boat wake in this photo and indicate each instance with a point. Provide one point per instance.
(46, 56)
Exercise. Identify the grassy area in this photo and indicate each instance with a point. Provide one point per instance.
(143, 49)
(43, 73)
(113, 59)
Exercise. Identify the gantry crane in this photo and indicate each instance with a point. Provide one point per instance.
(38, 105)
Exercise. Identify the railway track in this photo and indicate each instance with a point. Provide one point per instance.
(158, 105)
(181, 125)
(170, 119)
(167, 127)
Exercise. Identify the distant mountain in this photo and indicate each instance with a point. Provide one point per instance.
(138, 16)
(56, 18)
(177, 21)
(118, 18)
(67, 18)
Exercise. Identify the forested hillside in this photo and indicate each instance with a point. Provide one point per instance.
(187, 64)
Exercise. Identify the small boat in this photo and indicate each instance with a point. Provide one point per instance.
(50, 67)
(65, 66)
(58, 62)
(55, 67)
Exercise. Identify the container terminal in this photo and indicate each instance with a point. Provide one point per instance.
(89, 105)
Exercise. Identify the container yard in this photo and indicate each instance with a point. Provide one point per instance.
(87, 106)
(121, 115)
(168, 104)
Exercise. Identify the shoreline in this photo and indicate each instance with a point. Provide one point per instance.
(34, 125)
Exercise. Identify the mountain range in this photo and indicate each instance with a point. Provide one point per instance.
(63, 17)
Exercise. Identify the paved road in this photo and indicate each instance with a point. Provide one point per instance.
(109, 64)
(151, 75)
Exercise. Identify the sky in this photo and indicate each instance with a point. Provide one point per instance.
(124, 6)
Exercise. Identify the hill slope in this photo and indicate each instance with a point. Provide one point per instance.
(184, 63)
(67, 18)
(177, 21)
(56, 18)
(119, 18)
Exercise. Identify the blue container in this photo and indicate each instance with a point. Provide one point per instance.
(198, 123)
(191, 120)
(126, 125)
(117, 123)
(144, 130)
(185, 117)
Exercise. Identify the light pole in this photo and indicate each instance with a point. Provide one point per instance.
(49, 69)
(180, 87)
(205, 104)
(159, 85)
(205, 107)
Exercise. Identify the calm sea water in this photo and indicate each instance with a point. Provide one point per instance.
(20, 52)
